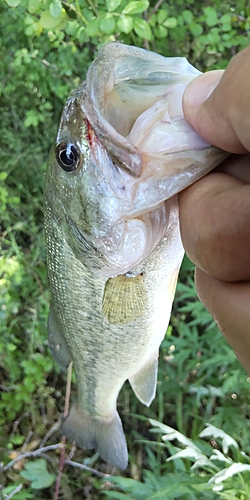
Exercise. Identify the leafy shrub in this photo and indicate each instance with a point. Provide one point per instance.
(219, 469)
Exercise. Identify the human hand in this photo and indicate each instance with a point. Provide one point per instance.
(215, 211)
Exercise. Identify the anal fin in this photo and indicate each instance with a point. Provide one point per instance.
(57, 342)
(144, 381)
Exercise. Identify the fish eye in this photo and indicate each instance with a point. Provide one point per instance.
(68, 156)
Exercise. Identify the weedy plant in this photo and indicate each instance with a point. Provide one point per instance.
(215, 470)
(46, 47)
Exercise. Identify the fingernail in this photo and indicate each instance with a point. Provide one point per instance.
(201, 88)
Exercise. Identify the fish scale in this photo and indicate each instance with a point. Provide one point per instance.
(114, 254)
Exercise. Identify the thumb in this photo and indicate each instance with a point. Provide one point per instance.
(217, 105)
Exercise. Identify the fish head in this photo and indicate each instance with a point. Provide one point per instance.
(87, 193)
(123, 149)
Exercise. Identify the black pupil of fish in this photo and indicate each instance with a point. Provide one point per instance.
(67, 157)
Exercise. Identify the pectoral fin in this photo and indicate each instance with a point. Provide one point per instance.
(144, 382)
(57, 341)
(124, 299)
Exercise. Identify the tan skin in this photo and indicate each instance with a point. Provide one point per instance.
(215, 211)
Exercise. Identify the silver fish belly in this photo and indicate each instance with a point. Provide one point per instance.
(112, 231)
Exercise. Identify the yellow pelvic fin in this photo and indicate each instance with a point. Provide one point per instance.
(124, 299)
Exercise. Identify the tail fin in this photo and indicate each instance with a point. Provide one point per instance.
(104, 435)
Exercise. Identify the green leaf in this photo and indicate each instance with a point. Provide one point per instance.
(55, 8)
(160, 32)
(125, 24)
(213, 36)
(107, 25)
(49, 23)
(152, 20)
(37, 473)
(226, 18)
(29, 31)
(142, 29)
(11, 347)
(171, 22)
(13, 3)
(3, 176)
(136, 488)
(93, 27)
(112, 4)
(161, 15)
(196, 29)
(72, 27)
(34, 6)
(29, 20)
(187, 16)
(226, 27)
(29, 384)
(32, 118)
(211, 16)
(136, 7)
(17, 439)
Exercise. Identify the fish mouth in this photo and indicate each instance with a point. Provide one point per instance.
(132, 104)
(132, 99)
(121, 84)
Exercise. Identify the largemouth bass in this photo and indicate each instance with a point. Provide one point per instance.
(122, 153)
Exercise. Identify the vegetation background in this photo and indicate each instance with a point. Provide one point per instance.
(202, 408)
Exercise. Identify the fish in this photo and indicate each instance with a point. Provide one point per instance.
(122, 154)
